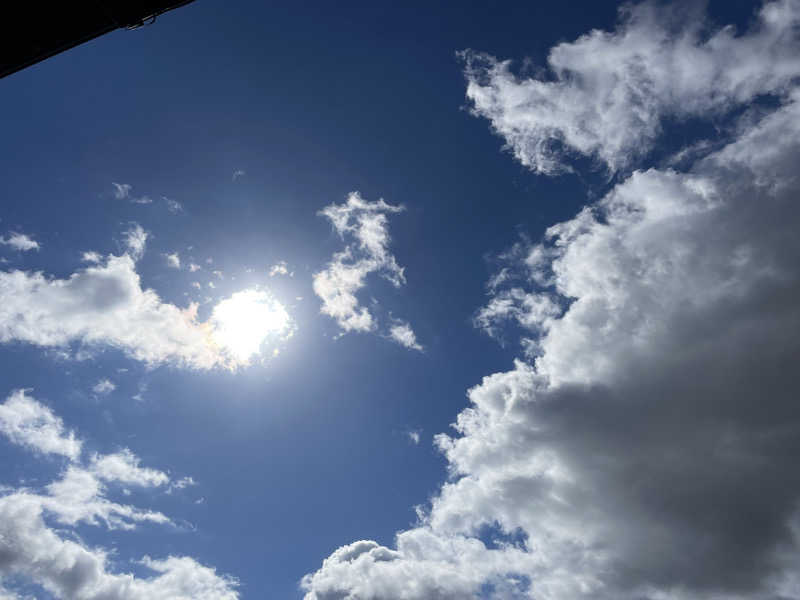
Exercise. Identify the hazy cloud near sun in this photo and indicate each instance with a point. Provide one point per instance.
(38, 535)
(105, 306)
(364, 227)
(646, 449)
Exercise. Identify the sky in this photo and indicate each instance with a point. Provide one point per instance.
(421, 301)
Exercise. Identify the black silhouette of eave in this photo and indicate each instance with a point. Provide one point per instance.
(36, 30)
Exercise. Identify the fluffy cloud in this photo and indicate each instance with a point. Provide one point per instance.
(56, 560)
(103, 305)
(103, 387)
(121, 190)
(279, 268)
(402, 333)
(609, 92)
(364, 225)
(124, 467)
(648, 449)
(20, 241)
(135, 241)
(173, 260)
(173, 206)
(29, 423)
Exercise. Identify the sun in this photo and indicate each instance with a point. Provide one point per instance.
(245, 322)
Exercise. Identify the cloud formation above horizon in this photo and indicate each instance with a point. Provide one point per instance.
(645, 449)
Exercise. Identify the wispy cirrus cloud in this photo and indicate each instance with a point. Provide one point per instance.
(122, 191)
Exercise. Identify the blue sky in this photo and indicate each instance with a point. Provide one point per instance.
(602, 229)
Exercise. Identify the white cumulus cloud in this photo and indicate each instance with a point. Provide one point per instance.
(647, 448)
(403, 334)
(27, 422)
(135, 240)
(609, 92)
(35, 552)
(173, 260)
(364, 225)
(103, 387)
(20, 241)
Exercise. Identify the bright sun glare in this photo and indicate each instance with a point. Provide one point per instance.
(247, 320)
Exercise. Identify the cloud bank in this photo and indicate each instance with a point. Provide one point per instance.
(646, 450)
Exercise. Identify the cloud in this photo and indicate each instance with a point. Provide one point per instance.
(180, 484)
(20, 241)
(403, 334)
(194, 267)
(647, 449)
(104, 305)
(103, 387)
(91, 257)
(279, 268)
(135, 241)
(31, 551)
(27, 422)
(364, 225)
(173, 260)
(124, 467)
(121, 190)
(173, 206)
(607, 93)
(414, 436)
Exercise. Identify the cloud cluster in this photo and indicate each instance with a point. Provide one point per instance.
(607, 93)
(55, 558)
(364, 225)
(647, 451)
